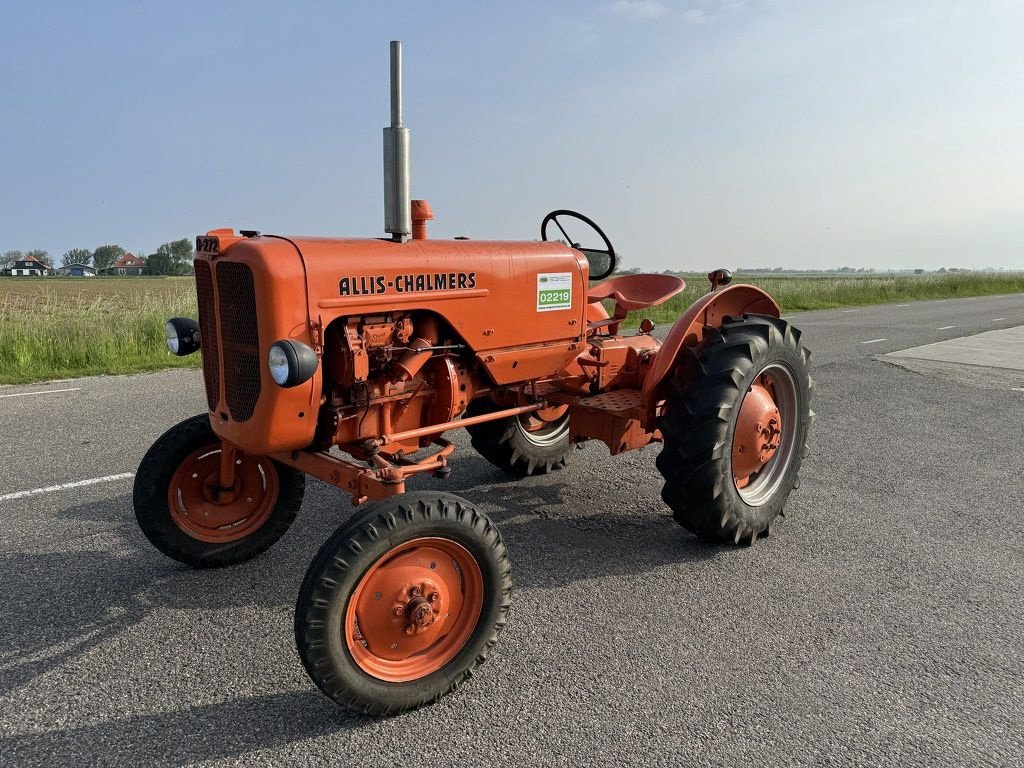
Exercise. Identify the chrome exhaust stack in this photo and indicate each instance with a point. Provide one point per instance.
(397, 205)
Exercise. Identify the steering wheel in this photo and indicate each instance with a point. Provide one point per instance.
(602, 262)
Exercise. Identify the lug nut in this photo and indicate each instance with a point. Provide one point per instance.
(415, 591)
(434, 597)
(399, 610)
(409, 630)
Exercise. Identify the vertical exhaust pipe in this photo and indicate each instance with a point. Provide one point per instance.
(397, 205)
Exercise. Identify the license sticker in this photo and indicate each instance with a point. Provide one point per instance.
(554, 291)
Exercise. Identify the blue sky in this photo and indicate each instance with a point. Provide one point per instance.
(699, 134)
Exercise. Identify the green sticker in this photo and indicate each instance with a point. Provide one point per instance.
(554, 291)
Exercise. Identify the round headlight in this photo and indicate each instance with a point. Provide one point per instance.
(278, 362)
(182, 335)
(172, 337)
(291, 362)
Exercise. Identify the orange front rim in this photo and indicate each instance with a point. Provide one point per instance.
(414, 609)
(204, 511)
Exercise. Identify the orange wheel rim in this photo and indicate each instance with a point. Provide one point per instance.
(764, 439)
(414, 609)
(758, 431)
(199, 510)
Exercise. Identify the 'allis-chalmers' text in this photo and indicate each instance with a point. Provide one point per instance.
(368, 285)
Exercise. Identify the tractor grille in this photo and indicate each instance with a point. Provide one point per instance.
(208, 332)
(239, 338)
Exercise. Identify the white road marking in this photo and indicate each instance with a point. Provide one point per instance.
(945, 328)
(940, 301)
(997, 319)
(43, 392)
(902, 305)
(66, 486)
(848, 311)
(873, 341)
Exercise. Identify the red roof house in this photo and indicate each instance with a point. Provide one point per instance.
(129, 264)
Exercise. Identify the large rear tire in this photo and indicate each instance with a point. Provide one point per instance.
(520, 445)
(177, 513)
(403, 603)
(735, 428)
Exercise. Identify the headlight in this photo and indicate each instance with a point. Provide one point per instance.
(182, 336)
(291, 362)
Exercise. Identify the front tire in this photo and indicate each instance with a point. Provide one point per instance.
(735, 428)
(403, 603)
(176, 513)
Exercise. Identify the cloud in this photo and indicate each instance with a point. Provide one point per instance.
(643, 9)
(691, 12)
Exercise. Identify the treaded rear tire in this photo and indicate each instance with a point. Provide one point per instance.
(505, 444)
(350, 553)
(699, 419)
(153, 514)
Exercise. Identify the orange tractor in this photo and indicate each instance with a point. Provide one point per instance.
(349, 359)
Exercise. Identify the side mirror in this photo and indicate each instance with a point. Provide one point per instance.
(719, 278)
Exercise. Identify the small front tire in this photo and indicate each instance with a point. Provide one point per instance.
(176, 513)
(403, 603)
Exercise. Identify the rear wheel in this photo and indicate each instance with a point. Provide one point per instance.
(182, 513)
(403, 603)
(735, 429)
(530, 444)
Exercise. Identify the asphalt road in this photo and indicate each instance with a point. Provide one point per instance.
(881, 623)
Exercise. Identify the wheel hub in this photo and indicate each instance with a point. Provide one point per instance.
(414, 609)
(758, 433)
(422, 609)
(205, 511)
(213, 492)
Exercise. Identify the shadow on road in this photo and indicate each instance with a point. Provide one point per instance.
(60, 605)
(185, 736)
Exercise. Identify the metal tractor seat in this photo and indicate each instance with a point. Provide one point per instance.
(633, 292)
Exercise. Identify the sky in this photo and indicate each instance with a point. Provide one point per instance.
(699, 133)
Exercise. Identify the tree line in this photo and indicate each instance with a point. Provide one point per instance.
(173, 258)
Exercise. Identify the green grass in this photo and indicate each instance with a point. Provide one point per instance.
(60, 328)
(799, 293)
(53, 328)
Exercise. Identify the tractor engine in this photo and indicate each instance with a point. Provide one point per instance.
(387, 374)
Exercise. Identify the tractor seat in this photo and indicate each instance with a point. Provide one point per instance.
(632, 292)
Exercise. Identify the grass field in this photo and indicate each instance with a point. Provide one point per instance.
(799, 293)
(53, 328)
(63, 327)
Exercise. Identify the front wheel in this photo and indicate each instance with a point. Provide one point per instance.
(182, 515)
(735, 429)
(403, 603)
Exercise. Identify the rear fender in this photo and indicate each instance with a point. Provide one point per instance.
(709, 311)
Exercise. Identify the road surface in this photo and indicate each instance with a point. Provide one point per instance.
(881, 623)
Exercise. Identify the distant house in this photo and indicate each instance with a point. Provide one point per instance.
(129, 264)
(76, 270)
(29, 267)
